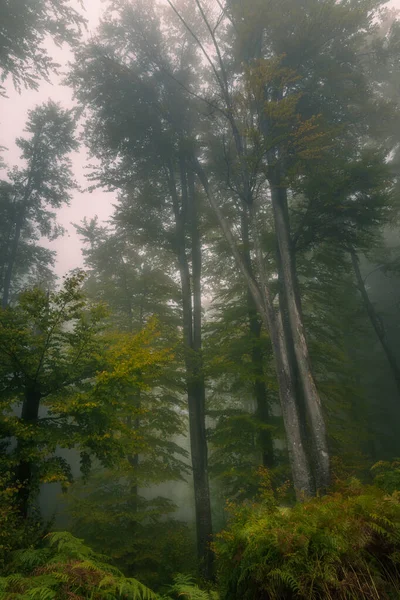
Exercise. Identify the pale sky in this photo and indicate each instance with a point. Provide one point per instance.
(13, 114)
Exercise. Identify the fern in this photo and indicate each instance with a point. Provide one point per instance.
(344, 545)
(289, 581)
(68, 568)
(185, 588)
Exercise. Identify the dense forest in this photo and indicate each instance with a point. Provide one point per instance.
(208, 405)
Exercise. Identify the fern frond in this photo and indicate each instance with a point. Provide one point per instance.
(286, 578)
(40, 593)
(185, 587)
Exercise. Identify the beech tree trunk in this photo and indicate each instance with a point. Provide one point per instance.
(375, 321)
(11, 262)
(260, 388)
(199, 447)
(24, 469)
(186, 217)
(272, 321)
(316, 422)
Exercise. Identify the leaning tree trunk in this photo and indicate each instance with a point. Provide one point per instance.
(272, 321)
(375, 321)
(283, 307)
(312, 400)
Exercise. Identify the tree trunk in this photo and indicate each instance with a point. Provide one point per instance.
(375, 321)
(259, 387)
(24, 469)
(191, 303)
(11, 262)
(312, 400)
(272, 321)
(299, 462)
(200, 459)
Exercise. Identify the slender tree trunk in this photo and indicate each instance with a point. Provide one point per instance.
(260, 388)
(375, 321)
(191, 302)
(24, 470)
(133, 460)
(4, 252)
(312, 400)
(11, 262)
(272, 321)
(200, 462)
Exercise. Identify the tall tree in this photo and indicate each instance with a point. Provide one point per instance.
(281, 105)
(42, 184)
(145, 150)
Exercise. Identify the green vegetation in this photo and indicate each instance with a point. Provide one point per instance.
(343, 545)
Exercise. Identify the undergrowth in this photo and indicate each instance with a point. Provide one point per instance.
(345, 545)
(64, 568)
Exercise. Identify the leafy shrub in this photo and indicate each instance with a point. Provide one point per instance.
(345, 545)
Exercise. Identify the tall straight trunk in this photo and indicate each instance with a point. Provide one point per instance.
(3, 257)
(316, 422)
(133, 459)
(24, 469)
(191, 303)
(11, 262)
(272, 321)
(200, 454)
(375, 321)
(257, 359)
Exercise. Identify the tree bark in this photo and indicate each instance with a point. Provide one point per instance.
(375, 321)
(11, 262)
(259, 387)
(317, 429)
(200, 458)
(191, 302)
(272, 321)
(24, 469)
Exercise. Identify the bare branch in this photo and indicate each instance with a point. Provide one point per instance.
(197, 39)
